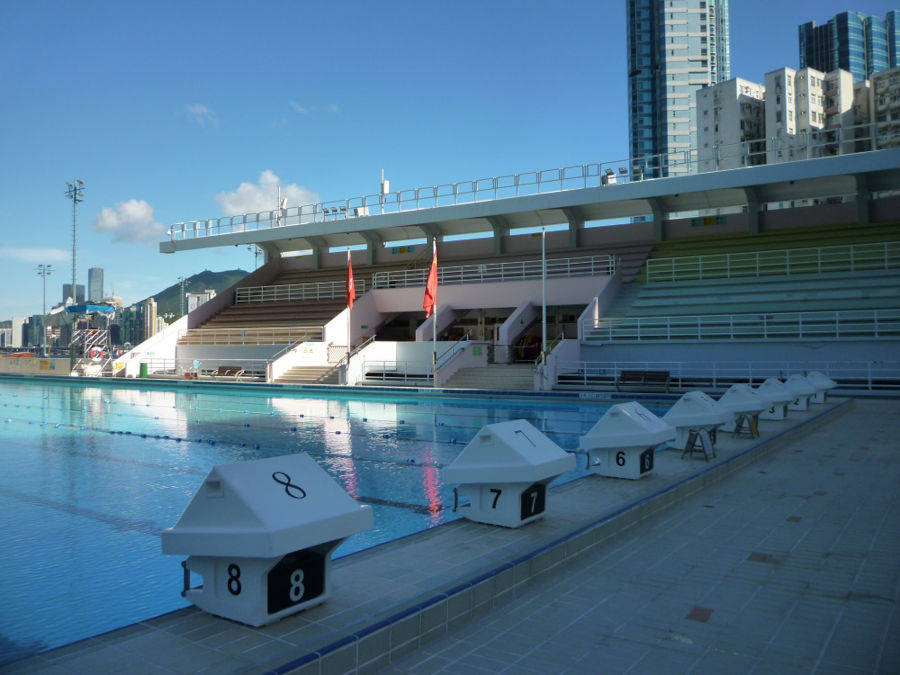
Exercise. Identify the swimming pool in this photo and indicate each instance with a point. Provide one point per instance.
(91, 475)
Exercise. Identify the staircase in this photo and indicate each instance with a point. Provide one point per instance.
(311, 375)
(518, 377)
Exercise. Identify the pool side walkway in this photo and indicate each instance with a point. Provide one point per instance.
(781, 554)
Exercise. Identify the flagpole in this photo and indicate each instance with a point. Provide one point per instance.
(434, 325)
(543, 295)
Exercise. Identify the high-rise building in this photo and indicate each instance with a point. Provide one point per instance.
(95, 284)
(149, 312)
(858, 43)
(79, 293)
(674, 49)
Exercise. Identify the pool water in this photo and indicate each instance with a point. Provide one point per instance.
(91, 475)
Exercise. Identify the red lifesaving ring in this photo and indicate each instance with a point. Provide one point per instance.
(95, 353)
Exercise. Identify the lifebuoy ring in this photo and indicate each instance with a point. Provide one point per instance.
(95, 353)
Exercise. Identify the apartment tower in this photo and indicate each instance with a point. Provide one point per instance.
(675, 47)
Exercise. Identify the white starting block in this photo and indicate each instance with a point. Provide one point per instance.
(261, 534)
(803, 392)
(778, 397)
(742, 401)
(696, 417)
(623, 442)
(504, 472)
(823, 385)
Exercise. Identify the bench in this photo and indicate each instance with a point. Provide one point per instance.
(644, 378)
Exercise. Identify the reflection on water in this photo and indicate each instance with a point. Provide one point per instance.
(92, 474)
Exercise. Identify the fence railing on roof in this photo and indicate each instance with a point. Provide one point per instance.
(317, 290)
(807, 145)
(823, 325)
(501, 271)
(791, 261)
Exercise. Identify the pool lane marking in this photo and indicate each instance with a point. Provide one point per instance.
(117, 522)
(585, 424)
(227, 444)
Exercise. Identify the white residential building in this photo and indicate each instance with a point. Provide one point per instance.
(730, 116)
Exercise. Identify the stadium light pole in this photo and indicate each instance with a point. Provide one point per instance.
(44, 271)
(75, 192)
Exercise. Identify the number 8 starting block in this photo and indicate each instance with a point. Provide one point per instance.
(261, 534)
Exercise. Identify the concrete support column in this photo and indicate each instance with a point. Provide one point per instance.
(576, 225)
(501, 229)
(752, 209)
(658, 218)
(863, 199)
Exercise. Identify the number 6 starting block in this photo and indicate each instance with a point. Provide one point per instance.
(261, 534)
(623, 442)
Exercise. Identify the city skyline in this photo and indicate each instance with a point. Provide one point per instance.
(195, 117)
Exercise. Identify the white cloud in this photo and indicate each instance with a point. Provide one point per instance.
(130, 221)
(335, 108)
(201, 114)
(263, 195)
(303, 110)
(35, 255)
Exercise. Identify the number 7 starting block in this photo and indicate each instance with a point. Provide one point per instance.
(261, 534)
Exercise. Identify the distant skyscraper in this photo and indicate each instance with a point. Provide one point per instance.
(672, 52)
(79, 293)
(858, 43)
(95, 284)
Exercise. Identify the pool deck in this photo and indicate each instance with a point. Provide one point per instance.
(781, 555)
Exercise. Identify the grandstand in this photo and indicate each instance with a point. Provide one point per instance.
(710, 278)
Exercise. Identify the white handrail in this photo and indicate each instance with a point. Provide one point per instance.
(868, 375)
(819, 143)
(318, 290)
(258, 335)
(823, 325)
(811, 260)
(501, 271)
(394, 371)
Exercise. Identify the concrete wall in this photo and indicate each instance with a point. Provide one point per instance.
(560, 291)
(36, 366)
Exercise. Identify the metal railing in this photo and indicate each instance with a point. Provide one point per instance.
(813, 260)
(318, 290)
(397, 371)
(264, 335)
(864, 375)
(501, 271)
(838, 325)
(802, 146)
(213, 368)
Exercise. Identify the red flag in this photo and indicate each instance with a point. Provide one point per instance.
(431, 284)
(351, 286)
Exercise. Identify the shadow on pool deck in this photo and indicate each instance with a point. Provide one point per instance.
(394, 599)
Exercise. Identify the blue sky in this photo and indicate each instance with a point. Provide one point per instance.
(172, 111)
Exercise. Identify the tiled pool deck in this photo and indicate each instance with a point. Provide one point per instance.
(788, 565)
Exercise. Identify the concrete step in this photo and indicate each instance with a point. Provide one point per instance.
(310, 375)
(513, 377)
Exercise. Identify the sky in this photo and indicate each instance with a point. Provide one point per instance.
(176, 110)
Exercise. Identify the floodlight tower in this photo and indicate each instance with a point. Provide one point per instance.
(75, 192)
(44, 271)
